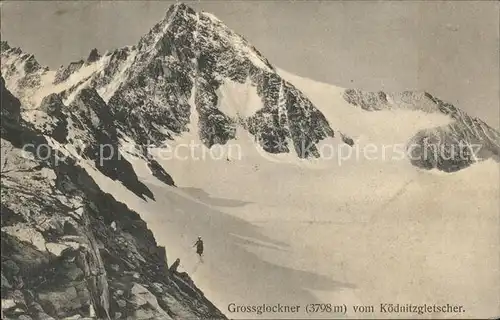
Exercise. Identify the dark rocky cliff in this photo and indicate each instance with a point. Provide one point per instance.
(71, 250)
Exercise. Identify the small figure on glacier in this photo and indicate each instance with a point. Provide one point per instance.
(199, 247)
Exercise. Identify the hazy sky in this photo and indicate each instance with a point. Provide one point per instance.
(450, 49)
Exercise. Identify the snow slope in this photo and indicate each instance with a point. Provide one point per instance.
(363, 232)
(358, 237)
(386, 126)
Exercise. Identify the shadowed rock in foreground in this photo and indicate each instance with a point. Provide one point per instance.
(71, 250)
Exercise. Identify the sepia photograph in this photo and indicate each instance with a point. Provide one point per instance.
(250, 159)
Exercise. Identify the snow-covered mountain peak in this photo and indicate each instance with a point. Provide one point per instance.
(22, 72)
(191, 67)
(201, 32)
(192, 61)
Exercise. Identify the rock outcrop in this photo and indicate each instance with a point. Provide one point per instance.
(71, 250)
(448, 148)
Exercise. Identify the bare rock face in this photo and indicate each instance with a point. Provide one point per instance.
(70, 250)
(93, 56)
(370, 101)
(22, 71)
(65, 72)
(88, 126)
(160, 173)
(92, 124)
(11, 107)
(54, 107)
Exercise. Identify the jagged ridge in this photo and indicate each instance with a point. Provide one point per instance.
(448, 148)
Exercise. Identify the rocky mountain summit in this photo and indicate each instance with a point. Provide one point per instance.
(178, 70)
